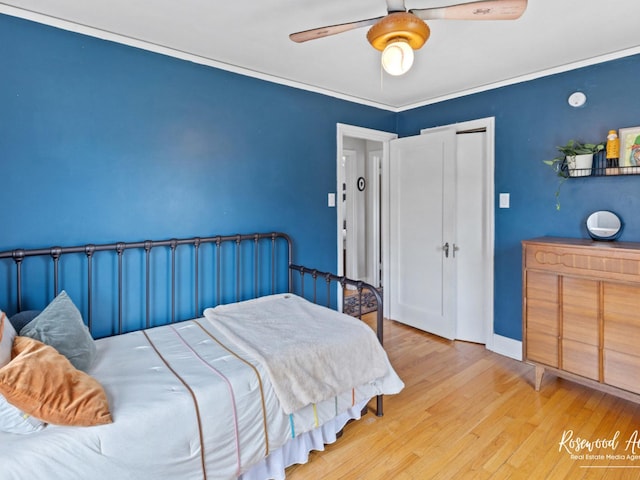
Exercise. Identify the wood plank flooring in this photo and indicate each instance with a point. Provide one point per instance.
(467, 413)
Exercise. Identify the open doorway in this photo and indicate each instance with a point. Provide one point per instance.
(360, 210)
(360, 197)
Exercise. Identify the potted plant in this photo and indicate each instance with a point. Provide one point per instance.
(578, 157)
(575, 160)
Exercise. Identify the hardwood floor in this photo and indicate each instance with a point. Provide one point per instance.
(467, 413)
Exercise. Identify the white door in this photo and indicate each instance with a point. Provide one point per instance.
(422, 231)
(470, 257)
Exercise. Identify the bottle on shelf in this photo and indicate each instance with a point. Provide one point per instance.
(613, 152)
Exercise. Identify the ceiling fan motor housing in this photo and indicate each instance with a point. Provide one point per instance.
(399, 25)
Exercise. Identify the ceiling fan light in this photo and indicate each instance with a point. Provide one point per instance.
(397, 57)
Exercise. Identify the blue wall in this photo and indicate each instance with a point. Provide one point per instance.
(103, 142)
(531, 118)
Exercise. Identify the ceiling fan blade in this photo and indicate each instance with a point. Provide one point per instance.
(483, 10)
(314, 33)
(396, 6)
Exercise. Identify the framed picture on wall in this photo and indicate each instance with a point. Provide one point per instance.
(630, 149)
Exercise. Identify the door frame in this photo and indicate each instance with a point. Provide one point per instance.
(344, 130)
(374, 184)
(487, 124)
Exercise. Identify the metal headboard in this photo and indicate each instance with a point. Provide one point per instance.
(268, 266)
(210, 270)
(259, 263)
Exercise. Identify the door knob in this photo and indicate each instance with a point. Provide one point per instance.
(445, 247)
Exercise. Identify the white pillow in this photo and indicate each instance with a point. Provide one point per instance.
(13, 420)
(7, 334)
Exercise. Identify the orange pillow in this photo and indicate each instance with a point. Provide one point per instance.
(42, 383)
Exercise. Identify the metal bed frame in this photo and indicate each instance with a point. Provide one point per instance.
(240, 265)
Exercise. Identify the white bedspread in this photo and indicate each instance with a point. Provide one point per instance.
(304, 347)
(155, 431)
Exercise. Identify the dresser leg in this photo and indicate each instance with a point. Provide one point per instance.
(539, 374)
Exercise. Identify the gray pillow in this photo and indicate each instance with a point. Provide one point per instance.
(60, 325)
(20, 319)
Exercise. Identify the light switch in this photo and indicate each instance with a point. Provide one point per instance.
(331, 200)
(504, 200)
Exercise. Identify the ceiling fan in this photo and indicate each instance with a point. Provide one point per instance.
(402, 31)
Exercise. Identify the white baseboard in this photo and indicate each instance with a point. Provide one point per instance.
(507, 347)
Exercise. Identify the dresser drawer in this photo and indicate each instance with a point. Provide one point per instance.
(580, 308)
(542, 348)
(581, 359)
(585, 258)
(621, 311)
(622, 370)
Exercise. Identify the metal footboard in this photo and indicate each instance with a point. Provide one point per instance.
(330, 280)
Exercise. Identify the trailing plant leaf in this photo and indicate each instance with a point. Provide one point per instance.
(562, 180)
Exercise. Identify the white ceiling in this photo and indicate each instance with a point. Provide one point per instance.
(251, 37)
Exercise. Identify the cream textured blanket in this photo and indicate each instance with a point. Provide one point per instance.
(311, 353)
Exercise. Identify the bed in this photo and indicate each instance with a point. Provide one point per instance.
(206, 357)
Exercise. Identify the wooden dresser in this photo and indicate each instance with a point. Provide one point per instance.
(581, 312)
